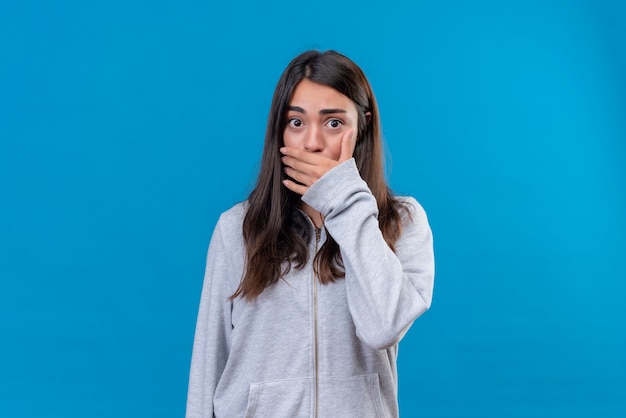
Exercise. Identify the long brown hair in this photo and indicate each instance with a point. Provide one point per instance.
(275, 232)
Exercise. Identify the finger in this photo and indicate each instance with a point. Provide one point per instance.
(299, 176)
(348, 142)
(316, 170)
(295, 187)
(303, 155)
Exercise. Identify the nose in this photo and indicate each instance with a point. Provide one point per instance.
(314, 141)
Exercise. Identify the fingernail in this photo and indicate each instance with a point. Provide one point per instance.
(283, 150)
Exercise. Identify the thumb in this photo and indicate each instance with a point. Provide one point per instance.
(348, 143)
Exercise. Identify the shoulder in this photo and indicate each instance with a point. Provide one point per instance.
(234, 215)
(230, 222)
(416, 237)
(414, 213)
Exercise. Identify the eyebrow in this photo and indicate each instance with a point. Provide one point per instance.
(322, 112)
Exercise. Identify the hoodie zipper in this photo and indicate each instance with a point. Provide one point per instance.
(315, 354)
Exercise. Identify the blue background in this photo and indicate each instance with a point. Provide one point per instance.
(126, 127)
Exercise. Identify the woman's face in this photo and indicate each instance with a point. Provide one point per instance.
(317, 119)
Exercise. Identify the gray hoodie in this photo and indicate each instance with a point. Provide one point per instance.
(302, 349)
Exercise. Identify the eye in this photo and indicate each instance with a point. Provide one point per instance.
(334, 123)
(294, 123)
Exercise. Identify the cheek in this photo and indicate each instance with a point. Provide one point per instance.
(290, 139)
(334, 147)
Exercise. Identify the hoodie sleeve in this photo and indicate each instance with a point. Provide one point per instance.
(386, 291)
(213, 327)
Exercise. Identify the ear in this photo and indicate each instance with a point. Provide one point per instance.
(368, 117)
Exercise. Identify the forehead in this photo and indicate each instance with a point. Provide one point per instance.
(314, 96)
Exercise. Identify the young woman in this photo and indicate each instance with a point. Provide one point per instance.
(311, 283)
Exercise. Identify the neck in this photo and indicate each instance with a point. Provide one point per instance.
(315, 216)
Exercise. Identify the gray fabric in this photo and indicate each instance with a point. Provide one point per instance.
(257, 359)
